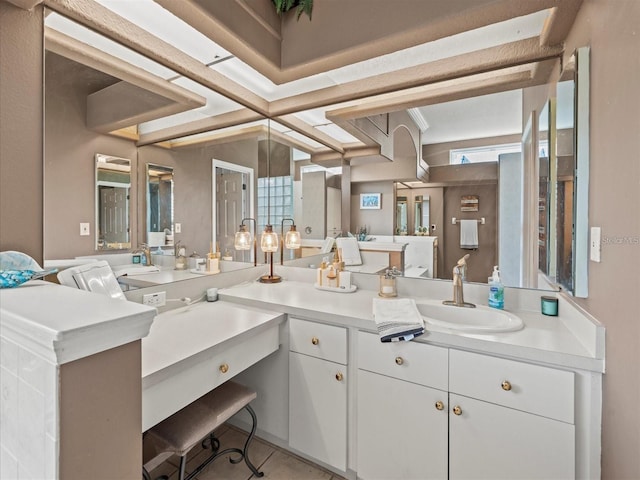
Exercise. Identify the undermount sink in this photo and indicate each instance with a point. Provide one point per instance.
(471, 320)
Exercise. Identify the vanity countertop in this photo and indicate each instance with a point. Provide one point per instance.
(182, 333)
(551, 340)
(64, 324)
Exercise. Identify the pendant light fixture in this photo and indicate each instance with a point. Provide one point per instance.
(242, 239)
(269, 240)
(291, 240)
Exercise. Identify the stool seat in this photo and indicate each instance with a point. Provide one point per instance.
(183, 430)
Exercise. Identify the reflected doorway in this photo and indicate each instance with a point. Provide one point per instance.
(232, 201)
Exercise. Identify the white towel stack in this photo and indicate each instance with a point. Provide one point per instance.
(397, 319)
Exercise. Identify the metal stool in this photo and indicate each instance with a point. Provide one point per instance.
(196, 423)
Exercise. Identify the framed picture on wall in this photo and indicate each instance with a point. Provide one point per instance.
(370, 201)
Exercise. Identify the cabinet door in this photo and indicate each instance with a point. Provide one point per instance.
(318, 409)
(401, 432)
(487, 441)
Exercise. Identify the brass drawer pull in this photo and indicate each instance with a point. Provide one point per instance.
(315, 340)
(399, 360)
(506, 385)
(224, 368)
(439, 405)
(457, 410)
(339, 376)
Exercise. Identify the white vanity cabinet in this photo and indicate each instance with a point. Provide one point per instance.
(402, 418)
(318, 391)
(509, 420)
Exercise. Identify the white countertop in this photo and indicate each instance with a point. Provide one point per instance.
(64, 324)
(183, 333)
(544, 339)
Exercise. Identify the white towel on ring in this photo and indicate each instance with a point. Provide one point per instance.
(468, 234)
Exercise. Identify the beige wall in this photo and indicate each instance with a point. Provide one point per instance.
(101, 415)
(192, 185)
(69, 159)
(611, 29)
(21, 130)
(482, 260)
(378, 222)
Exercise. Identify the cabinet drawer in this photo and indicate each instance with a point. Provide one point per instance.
(327, 342)
(410, 361)
(169, 390)
(531, 388)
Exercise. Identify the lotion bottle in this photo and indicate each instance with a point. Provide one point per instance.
(496, 290)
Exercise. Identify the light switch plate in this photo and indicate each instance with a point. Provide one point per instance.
(178, 228)
(595, 244)
(85, 230)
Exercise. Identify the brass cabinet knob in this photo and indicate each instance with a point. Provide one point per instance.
(315, 340)
(224, 368)
(399, 360)
(339, 376)
(506, 385)
(457, 410)
(439, 405)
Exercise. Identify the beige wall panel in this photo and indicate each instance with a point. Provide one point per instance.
(21, 168)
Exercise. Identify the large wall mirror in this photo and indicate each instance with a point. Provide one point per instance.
(113, 187)
(74, 135)
(159, 199)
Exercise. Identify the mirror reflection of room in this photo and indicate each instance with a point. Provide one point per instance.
(457, 154)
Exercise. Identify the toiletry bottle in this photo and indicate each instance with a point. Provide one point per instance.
(321, 270)
(332, 277)
(496, 290)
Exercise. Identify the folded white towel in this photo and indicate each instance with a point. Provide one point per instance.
(468, 234)
(397, 319)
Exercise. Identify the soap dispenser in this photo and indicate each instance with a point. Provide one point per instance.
(496, 290)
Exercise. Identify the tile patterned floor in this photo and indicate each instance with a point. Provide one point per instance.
(275, 463)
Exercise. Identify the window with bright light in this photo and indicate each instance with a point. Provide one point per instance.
(489, 153)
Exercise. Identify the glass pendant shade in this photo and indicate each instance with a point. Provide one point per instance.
(269, 240)
(292, 239)
(242, 239)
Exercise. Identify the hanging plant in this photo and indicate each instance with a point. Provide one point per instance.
(303, 6)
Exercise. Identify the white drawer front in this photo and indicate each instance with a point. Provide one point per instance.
(193, 378)
(411, 361)
(531, 388)
(327, 342)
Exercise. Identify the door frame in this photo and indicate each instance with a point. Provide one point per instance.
(235, 168)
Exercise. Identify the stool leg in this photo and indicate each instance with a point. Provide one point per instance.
(249, 438)
(183, 465)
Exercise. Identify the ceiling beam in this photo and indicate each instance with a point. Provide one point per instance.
(84, 54)
(224, 120)
(101, 19)
(474, 86)
(481, 61)
(302, 127)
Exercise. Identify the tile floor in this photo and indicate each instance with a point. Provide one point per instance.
(275, 463)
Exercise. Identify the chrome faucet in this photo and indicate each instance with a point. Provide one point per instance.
(459, 271)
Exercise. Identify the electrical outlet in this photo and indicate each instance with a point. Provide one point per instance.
(178, 228)
(84, 230)
(158, 299)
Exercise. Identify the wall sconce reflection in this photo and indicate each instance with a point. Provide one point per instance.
(291, 240)
(243, 239)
